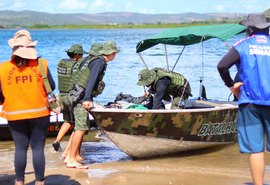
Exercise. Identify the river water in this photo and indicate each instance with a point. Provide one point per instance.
(122, 73)
(109, 165)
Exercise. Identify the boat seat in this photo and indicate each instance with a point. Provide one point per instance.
(197, 104)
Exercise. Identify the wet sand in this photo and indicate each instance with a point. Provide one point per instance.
(109, 166)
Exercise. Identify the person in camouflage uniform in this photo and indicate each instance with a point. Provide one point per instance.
(64, 71)
(164, 84)
(87, 85)
(94, 52)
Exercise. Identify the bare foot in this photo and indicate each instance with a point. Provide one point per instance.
(79, 158)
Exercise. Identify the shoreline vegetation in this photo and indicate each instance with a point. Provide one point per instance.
(124, 26)
(113, 20)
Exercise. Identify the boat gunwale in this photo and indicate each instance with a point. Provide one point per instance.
(114, 110)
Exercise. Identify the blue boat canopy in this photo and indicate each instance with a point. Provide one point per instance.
(191, 35)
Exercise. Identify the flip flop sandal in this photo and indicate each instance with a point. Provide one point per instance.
(79, 166)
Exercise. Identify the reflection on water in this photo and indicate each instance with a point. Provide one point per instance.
(101, 152)
(93, 152)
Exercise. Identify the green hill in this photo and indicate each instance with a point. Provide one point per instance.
(28, 19)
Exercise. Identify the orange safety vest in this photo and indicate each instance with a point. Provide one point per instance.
(24, 91)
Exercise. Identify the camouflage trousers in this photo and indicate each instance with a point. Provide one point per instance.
(82, 121)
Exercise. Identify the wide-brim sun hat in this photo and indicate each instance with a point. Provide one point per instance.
(22, 32)
(109, 48)
(256, 20)
(76, 49)
(21, 38)
(146, 77)
(27, 52)
(22, 45)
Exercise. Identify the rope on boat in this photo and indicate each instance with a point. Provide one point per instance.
(190, 71)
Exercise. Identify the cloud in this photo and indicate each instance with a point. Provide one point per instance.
(254, 5)
(139, 6)
(130, 7)
(72, 5)
(220, 8)
(101, 6)
(18, 4)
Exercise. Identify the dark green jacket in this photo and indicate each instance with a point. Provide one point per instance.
(82, 84)
(177, 83)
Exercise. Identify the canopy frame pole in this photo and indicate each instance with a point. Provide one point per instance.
(143, 61)
(180, 54)
(202, 74)
(202, 62)
(166, 55)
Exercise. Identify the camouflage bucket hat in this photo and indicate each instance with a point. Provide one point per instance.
(109, 48)
(76, 49)
(95, 49)
(146, 77)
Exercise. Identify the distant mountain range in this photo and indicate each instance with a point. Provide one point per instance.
(11, 19)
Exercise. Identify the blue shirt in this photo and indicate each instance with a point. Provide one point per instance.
(254, 69)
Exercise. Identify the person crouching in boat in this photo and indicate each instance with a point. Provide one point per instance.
(165, 85)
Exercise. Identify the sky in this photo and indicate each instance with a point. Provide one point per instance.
(138, 6)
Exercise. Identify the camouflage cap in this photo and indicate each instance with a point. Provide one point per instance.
(109, 48)
(76, 49)
(95, 49)
(146, 77)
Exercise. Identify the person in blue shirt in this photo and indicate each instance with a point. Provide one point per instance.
(252, 56)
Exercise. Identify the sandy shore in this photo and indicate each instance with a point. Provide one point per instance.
(148, 172)
(109, 166)
(132, 173)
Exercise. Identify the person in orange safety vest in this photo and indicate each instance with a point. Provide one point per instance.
(24, 104)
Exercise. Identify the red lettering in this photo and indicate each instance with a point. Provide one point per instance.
(23, 79)
(17, 78)
(26, 78)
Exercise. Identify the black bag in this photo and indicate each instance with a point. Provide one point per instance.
(137, 100)
(76, 93)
